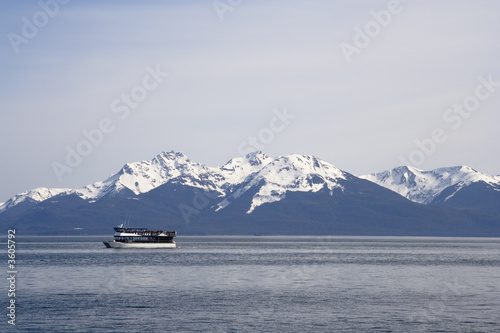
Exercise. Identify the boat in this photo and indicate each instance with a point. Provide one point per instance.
(141, 238)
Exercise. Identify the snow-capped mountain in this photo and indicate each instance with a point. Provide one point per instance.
(424, 186)
(286, 173)
(258, 194)
(277, 175)
(238, 169)
(33, 196)
(175, 167)
(142, 177)
(302, 173)
(138, 177)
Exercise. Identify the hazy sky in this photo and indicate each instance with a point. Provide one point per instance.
(364, 85)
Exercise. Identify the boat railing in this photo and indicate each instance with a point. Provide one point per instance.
(146, 232)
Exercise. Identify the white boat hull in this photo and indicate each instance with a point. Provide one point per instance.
(137, 245)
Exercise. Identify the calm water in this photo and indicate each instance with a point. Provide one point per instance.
(259, 284)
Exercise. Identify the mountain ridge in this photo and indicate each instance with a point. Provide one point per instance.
(256, 193)
(424, 186)
(140, 177)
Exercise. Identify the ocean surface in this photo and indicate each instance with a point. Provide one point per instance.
(257, 284)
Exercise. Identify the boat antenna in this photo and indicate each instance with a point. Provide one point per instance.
(127, 221)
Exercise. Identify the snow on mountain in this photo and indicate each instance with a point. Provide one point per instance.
(38, 195)
(238, 169)
(142, 177)
(288, 173)
(275, 176)
(139, 177)
(423, 186)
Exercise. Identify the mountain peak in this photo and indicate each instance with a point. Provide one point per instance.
(36, 195)
(270, 178)
(238, 169)
(424, 186)
(165, 158)
(298, 173)
(256, 155)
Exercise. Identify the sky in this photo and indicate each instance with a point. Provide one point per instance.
(88, 86)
